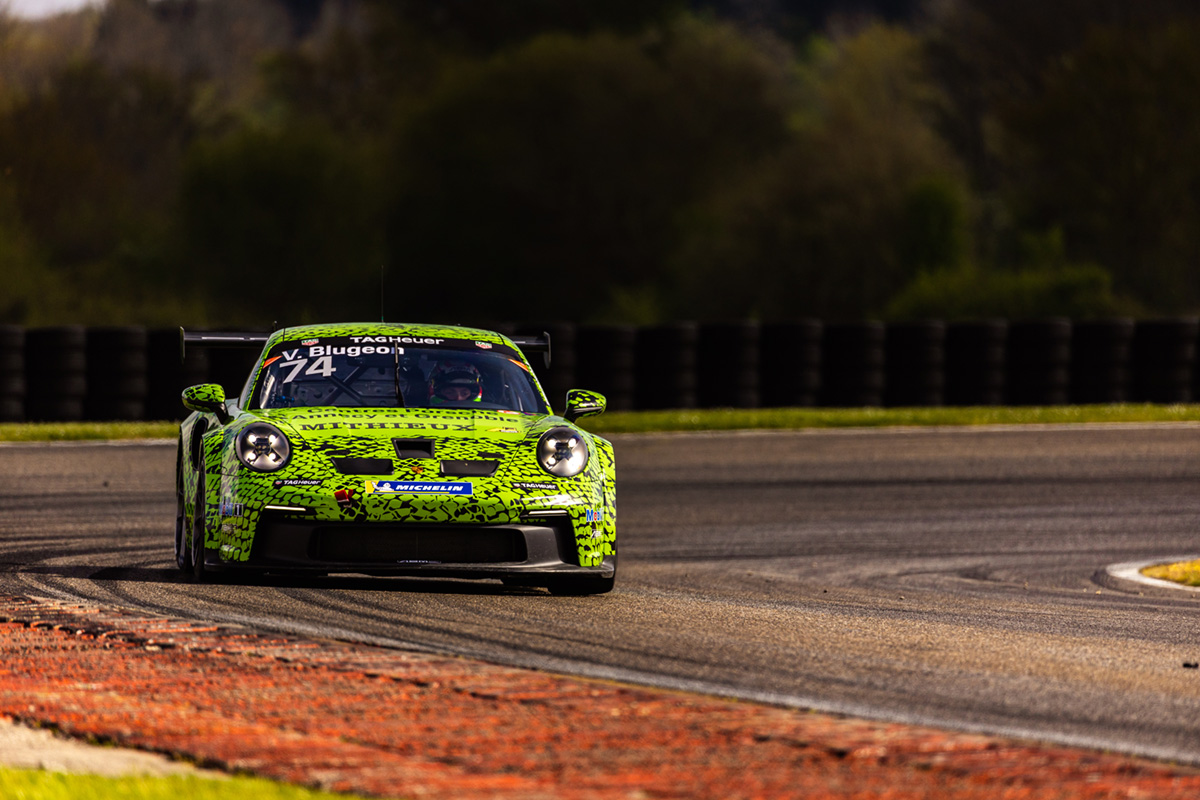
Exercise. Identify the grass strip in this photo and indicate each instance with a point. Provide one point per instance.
(80, 431)
(1185, 572)
(715, 419)
(43, 785)
(798, 418)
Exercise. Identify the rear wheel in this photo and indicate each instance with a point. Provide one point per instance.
(198, 526)
(183, 556)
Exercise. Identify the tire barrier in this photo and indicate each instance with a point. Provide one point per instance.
(1038, 363)
(1100, 358)
(116, 374)
(55, 373)
(167, 377)
(915, 364)
(69, 373)
(604, 353)
(664, 366)
(230, 367)
(975, 363)
(12, 373)
(727, 366)
(852, 365)
(790, 364)
(1164, 356)
(561, 375)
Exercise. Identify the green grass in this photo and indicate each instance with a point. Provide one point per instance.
(795, 418)
(717, 419)
(41, 785)
(1185, 572)
(77, 431)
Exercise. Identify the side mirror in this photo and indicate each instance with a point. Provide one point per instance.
(581, 403)
(208, 398)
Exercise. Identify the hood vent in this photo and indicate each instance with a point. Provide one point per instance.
(413, 448)
(364, 466)
(469, 469)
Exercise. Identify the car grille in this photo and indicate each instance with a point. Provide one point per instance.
(385, 544)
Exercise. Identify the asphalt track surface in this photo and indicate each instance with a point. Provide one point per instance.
(952, 577)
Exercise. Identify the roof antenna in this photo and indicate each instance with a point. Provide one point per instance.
(381, 314)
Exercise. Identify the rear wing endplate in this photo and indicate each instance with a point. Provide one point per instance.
(535, 344)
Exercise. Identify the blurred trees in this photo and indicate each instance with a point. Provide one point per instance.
(568, 161)
(244, 161)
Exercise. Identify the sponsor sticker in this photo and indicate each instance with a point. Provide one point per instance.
(483, 345)
(595, 515)
(536, 487)
(420, 487)
(229, 509)
(309, 342)
(344, 497)
(299, 482)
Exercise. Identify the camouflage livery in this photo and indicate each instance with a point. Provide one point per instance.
(387, 486)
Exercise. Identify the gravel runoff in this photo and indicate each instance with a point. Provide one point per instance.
(394, 723)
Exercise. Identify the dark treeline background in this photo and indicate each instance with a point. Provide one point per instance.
(239, 162)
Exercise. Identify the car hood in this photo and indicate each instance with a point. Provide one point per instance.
(373, 433)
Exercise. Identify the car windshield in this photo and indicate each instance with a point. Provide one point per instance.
(346, 372)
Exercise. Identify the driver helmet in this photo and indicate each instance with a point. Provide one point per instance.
(455, 382)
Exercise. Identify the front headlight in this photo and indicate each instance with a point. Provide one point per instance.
(263, 447)
(562, 452)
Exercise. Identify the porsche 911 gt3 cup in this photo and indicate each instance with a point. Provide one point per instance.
(392, 449)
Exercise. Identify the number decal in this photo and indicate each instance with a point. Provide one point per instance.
(322, 366)
(298, 364)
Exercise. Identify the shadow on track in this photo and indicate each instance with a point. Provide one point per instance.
(343, 582)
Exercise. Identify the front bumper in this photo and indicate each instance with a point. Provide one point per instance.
(286, 544)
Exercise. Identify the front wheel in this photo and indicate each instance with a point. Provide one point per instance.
(580, 585)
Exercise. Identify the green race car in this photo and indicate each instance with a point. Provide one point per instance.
(392, 449)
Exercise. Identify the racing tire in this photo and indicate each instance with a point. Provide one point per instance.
(183, 556)
(198, 571)
(580, 585)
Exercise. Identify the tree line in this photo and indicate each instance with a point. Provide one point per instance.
(236, 162)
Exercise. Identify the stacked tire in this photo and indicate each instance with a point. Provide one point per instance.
(665, 366)
(727, 365)
(915, 363)
(1164, 357)
(55, 373)
(604, 356)
(1038, 363)
(1100, 361)
(116, 374)
(168, 374)
(975, 363)
(12, 373)
(790, 364)
(852, 365)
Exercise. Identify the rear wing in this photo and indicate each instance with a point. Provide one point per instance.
(219, 339)
(534, 344)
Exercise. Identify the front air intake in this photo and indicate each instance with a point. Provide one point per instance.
(364, 466)
(413, 448)
(469, 469)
